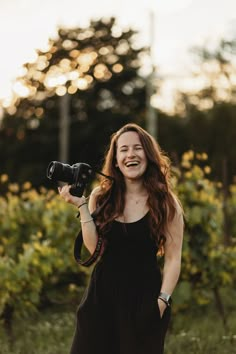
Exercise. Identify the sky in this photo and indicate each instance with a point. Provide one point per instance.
(178, 25)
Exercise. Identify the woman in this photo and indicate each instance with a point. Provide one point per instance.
(126, 307)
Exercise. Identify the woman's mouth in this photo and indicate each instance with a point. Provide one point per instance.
(132, 163)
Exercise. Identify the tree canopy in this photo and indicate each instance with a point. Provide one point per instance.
(92, 76)
(206, 111)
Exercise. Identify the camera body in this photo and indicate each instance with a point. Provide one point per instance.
(77, 175)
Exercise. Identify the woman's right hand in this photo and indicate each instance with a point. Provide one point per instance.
(68, 197)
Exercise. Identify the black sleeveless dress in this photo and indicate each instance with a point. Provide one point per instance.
(118, 313)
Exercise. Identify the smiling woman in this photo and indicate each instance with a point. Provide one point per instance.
(130, 156)
(127, 306)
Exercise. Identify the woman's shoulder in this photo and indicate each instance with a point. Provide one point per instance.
(177, 204)
(176, 210)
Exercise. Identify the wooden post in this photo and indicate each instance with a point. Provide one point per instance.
(151, 112)
(64, 128)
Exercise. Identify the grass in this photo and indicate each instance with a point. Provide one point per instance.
(195, 332)
(47, 333)
(201, 333)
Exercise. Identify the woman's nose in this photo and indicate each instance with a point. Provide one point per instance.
(131, 153)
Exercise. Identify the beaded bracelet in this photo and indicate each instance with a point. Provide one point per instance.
(85, 221)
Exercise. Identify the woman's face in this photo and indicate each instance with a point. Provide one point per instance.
(130, 156)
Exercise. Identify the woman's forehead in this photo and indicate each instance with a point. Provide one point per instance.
(128, 138)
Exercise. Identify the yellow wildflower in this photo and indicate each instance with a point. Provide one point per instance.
(26, 186)
(4, 178)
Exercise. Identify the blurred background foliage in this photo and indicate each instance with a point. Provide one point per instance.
(83, 88)
(36, 259)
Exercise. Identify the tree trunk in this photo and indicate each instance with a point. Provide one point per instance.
(220, 307)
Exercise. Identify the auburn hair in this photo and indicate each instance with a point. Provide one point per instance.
(161, 200)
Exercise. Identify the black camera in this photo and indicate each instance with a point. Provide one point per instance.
(78, 175)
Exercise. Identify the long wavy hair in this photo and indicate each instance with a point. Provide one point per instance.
(161, 200)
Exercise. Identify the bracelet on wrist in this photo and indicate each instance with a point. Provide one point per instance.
(79, 206)
(163, 300)
(85, 221)
(85, 201)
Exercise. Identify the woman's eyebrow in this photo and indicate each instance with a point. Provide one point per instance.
(122, 146)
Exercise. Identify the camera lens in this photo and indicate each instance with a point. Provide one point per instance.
(58, 171)
(50, 170)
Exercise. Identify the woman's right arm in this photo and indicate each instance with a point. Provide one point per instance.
(89, 231)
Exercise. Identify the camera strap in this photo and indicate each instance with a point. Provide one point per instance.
(102, 174)
(78, 249)
(100, 242)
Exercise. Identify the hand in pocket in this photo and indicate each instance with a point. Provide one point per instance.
(162, 306)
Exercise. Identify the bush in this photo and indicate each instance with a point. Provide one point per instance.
(207, 264)
(36, 251)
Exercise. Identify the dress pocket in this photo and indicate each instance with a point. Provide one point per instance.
(158, 311)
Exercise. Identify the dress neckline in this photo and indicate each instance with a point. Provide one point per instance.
(132, 222)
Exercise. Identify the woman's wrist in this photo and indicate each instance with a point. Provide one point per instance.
(83, 201)
(81, 204)
(166, 298)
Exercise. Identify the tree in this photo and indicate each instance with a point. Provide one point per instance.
(204, 118)
(97, 68)
(209, 108)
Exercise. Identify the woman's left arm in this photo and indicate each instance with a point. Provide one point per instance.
(173, 251)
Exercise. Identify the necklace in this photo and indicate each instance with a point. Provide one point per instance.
(139, 212)
(133, 205)
(138, 200)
